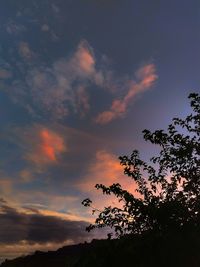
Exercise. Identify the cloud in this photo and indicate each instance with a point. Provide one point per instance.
(46, 202)
(105, 169)
(14, 28)
(26, 176)
(60, 200)
(35, 228)
(84, 60)
(45, 28)
(6, 186)
(83, 105)
(62, 151)
(5, 74)
(145, 78)
(2, 201)
(47, 146)
(62, 88)
(51, 144)
(25, 51)
(55, 8)
(35, 146)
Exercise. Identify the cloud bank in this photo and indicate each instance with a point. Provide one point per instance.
(35, 228)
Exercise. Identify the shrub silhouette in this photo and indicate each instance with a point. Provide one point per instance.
(169, 186)
(159, 228)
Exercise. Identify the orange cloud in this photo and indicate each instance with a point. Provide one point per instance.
(49, 146)
(106, 169)
(146, 77)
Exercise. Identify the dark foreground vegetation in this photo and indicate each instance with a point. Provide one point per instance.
(160, 226)
(172, 250)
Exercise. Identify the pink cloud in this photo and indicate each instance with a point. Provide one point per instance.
(84, 58)
(146, 76)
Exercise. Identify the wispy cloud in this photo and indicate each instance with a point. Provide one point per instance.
(145, 78)
(61, 88)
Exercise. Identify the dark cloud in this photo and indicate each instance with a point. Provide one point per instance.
(16, 226)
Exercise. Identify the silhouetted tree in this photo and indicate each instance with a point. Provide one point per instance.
(169, 186)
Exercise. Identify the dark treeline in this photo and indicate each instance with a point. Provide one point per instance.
(149, 250)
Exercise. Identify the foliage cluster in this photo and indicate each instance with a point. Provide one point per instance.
(169, 186)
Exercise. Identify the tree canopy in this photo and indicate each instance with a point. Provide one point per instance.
(168, 186)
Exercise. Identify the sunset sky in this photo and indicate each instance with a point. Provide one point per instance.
(79, 81)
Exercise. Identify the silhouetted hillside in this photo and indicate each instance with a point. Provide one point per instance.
(173, 249)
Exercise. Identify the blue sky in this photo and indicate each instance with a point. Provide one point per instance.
(79, 81)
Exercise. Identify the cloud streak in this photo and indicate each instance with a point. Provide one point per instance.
(145, 78)
(35, 228)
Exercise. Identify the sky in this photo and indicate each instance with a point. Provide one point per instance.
(79, 81)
